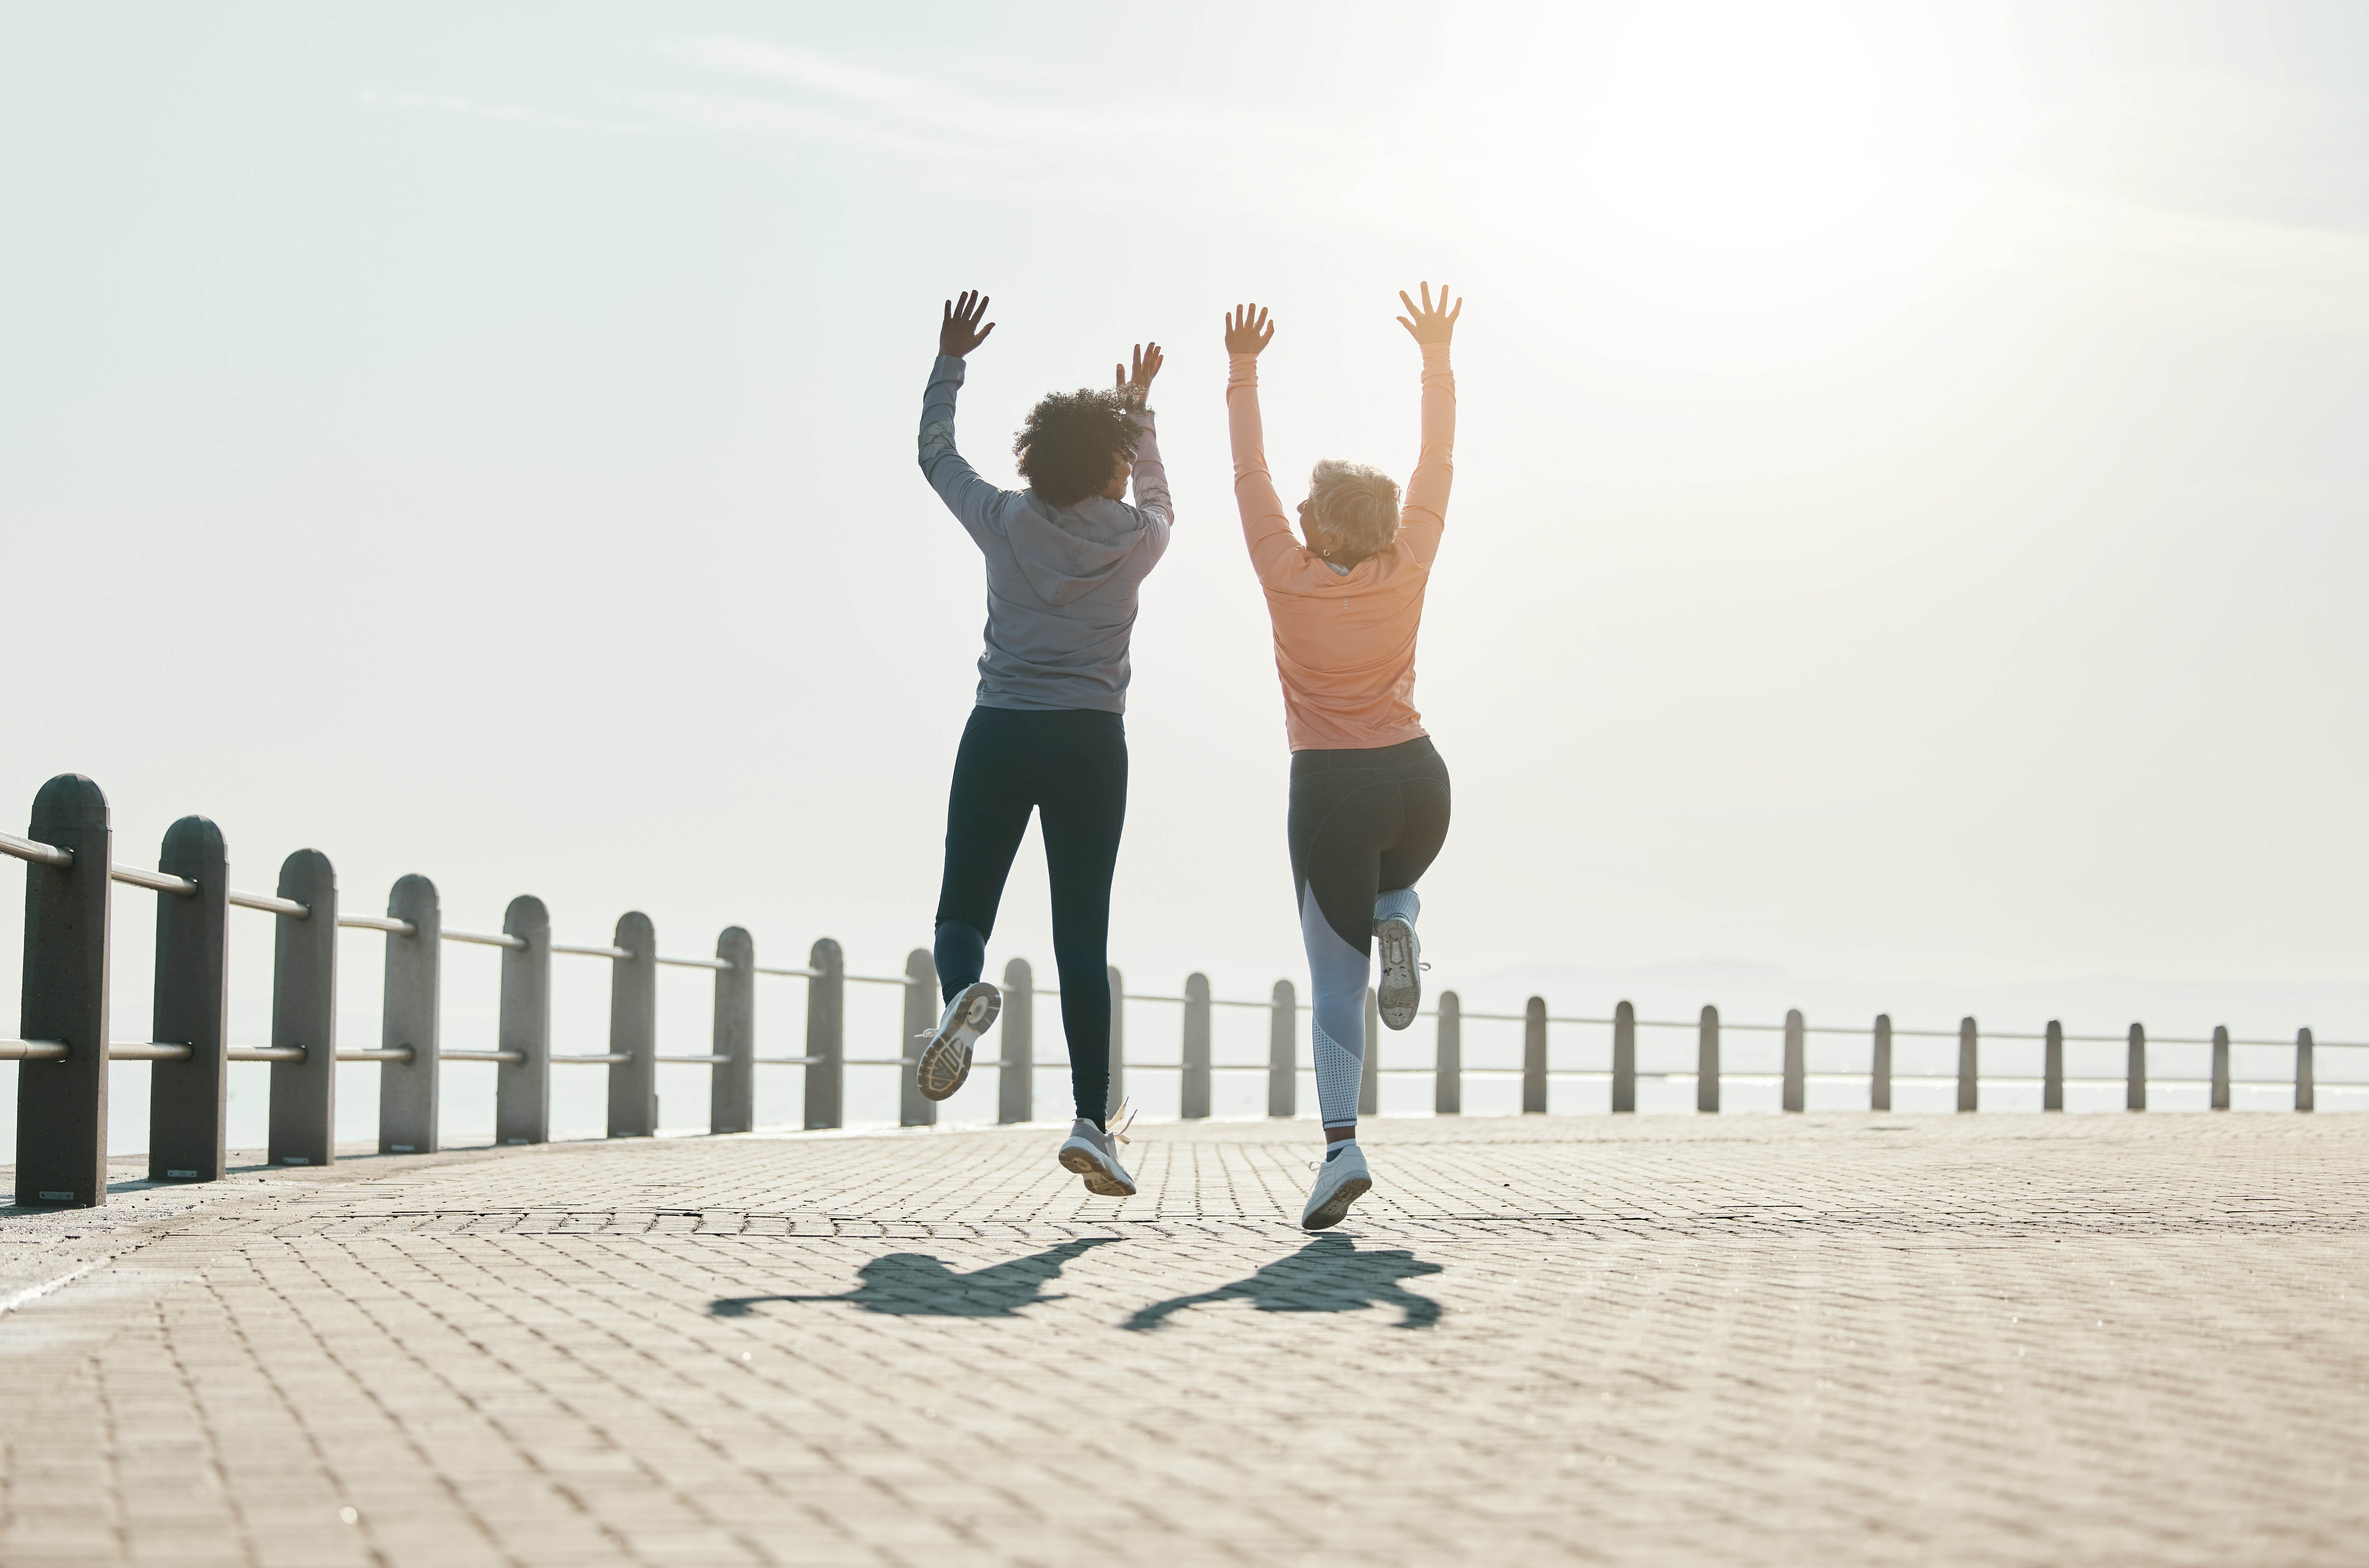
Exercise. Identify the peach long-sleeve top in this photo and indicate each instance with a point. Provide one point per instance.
(1345, 642)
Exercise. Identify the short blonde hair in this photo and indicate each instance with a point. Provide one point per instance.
(1357, 505)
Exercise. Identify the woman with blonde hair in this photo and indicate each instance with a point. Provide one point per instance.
(1369, 794)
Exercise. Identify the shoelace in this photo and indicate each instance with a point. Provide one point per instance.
(1123, 1118)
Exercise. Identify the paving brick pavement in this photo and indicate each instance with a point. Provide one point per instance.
(1845, 1339)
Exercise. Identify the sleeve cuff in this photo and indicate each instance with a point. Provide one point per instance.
(1242, 369)
(950, 367)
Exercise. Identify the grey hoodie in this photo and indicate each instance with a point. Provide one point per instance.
(1061, 580)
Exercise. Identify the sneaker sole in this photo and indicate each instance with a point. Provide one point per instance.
(1337, 1208)
(1401, 993)
(1099, 1181)
(944, 1065)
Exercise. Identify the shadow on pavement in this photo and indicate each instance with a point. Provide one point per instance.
(915, 1284)
(1328, 1274)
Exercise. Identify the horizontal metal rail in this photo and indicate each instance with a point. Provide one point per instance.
(609, 1058)
(32, 1050)
(589, 952)
(156, 880)
(694, 1062)
(289, 908)
(484, 938)
(787, 1061)
(148, 1050)
(377, 923)
(266, 1053)
(35, 851)
(799, 974)
(693, 963)
(390, 1053)
(502, 1056)
(880, 979)
(879, 1061)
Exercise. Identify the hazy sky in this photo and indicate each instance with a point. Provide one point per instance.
(1908, 547)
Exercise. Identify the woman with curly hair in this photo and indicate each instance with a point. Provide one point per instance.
(1064, 560)
(1368, 792)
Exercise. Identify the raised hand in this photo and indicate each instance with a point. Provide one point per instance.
(960, 332)
(1430, 325)
(1248, 329)
(1136, 387)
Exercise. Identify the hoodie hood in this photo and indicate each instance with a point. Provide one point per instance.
(1066, 553)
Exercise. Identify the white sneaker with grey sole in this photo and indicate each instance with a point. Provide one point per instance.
(1341, 1180)
(1401, 992)
(946, 1060)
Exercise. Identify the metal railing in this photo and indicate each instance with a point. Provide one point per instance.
(61, 1088)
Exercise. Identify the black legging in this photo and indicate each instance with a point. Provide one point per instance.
(1069, 765)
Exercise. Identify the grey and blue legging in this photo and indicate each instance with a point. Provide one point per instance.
(1364, 826)
(1069, 765)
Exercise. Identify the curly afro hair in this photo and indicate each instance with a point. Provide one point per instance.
(1072, 442)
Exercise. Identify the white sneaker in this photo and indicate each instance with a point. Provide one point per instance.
(1401, 992)
(946, 1060)
(1341, 1180)
(1093, 1154)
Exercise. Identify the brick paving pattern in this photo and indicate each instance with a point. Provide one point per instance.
(1846, 1339)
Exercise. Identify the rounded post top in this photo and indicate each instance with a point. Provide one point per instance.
(193, 835)
(1196, 987)
(1018, 977)
(69, 803)
(1710, 1015)
(1286, 993)
(1535, 1007)
(736, 946)
(636, 935)
(2138, 1033)
(1449, 1002)
(920, 967)
(305, 875)
(526, 917)
(411, 898)
(826, 956)
(1624, 1013)
(1793, 1018)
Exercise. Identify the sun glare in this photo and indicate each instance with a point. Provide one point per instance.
(1737, 123)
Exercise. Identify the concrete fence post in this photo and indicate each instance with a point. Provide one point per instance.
(634, 1030)
(2052, 1068)
(2220, 1067)
(1707, 1063)
(1448, 1060)
(1193, 1097)
(1369, 1071)
(2135, 1077)
(1797, 1068)
(1879, 1069)
(62, 1106)
(1015, 1096)
(408, 1091)
(1534, 1056)
(522, 1088)
(2305, 1090)
(1283, 1051)
(305, 1013)
(1624, 1059)
(1117, 1096)
(186, 1099)
(1970, 1081)
(826, 1035)
(922, 1005)
(732, 1083)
